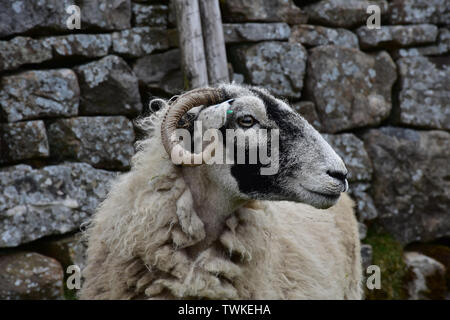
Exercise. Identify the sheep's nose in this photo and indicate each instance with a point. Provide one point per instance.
(341, 176)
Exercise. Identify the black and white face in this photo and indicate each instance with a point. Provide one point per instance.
(303, 167)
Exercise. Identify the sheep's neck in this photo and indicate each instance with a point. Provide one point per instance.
(212, 204)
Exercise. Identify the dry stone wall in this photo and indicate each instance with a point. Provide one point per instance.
(68, 98)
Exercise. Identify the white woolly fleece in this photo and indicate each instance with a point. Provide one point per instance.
(140, 237)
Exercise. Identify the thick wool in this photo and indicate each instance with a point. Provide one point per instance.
(139, 240)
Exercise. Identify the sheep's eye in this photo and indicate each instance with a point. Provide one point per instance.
(246, 121)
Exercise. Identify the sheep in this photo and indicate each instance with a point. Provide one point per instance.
(224, 231)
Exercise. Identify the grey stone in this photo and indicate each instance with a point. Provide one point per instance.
(238, 78)
(362, 230)
(83, 45)
(419, 11)
(39, 94)
(246, 32)
(303, 3)
(396, 36)
(441, 47)
(30, 16)
(364, 205)
(352, 151)
(342, 13)
(438, 251)
(22, 50)
(262, 10)
(312, 36)
(350, 88)
(425, 92)
(251, 32)
(410, 185)
(70, 250)
(150, 1)
(105, 14)
(161, 71)
(429, 277)
(30, 276)
(173, 83)
(307, 110)
(154, 69)
(103, 142)
(277, 66)
(149, 15)
(108, 87)
(53, 200)
(27, 16)
(139, 41)
(172, 16)
(23, 140)
(366, 256)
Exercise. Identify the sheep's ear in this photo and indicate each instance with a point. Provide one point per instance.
(216, 115)
(187, 120)
(195, 111)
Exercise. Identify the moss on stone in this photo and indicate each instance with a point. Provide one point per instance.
(70, 294)
(388, 255)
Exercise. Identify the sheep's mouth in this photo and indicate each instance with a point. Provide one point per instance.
(328, 196)
(320, 200)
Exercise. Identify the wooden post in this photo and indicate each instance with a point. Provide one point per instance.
(216, 56)
(191, 44)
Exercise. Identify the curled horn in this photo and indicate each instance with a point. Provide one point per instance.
(184, 103)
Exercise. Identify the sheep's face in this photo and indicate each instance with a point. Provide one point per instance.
(302, 167)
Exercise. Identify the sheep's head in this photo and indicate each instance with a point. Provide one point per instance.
(302, 168)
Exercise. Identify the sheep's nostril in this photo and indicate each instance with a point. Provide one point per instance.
(339, 175)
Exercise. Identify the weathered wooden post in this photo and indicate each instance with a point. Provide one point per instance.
(214, 44)
(191, 43)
